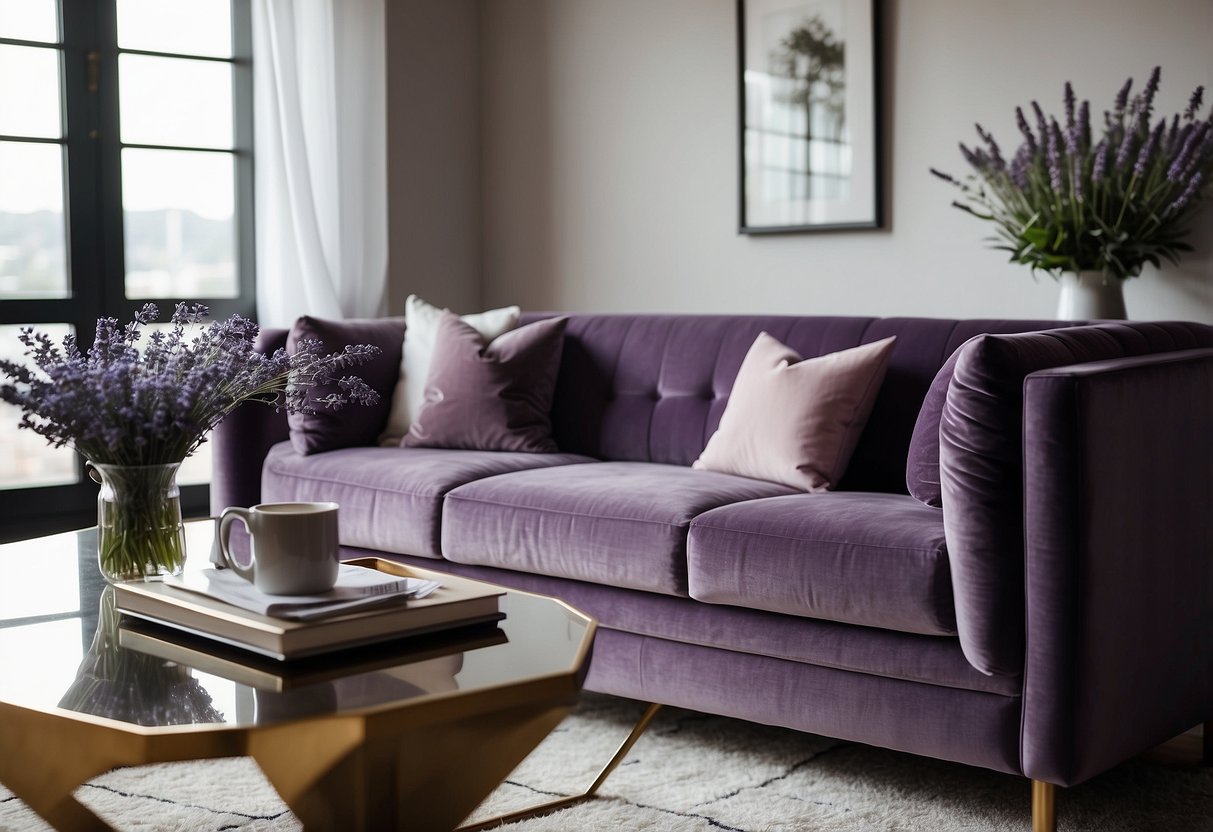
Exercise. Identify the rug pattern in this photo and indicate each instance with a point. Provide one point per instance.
(690, 773)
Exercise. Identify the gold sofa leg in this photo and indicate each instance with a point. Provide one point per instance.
(1044, 816)
(565, 802)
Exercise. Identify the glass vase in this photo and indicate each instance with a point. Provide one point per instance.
(140, 535)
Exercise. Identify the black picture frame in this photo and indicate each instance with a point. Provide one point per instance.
(809, 132)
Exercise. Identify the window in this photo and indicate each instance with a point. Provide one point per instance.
(125, 176)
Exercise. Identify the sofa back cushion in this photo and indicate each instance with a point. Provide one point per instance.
(981, 467)
(652, 388)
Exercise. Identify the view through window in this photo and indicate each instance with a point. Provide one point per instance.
(125, 177)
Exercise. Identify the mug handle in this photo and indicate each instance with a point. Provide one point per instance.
(229, 516)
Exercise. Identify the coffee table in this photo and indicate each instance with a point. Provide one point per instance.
(413, 734)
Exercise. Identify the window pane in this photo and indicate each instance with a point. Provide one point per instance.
(190, 27)
(32, 233)
(179, 216)
(175, 101)
(196, 469)
(25, 457)
(29, 91)
(29, 20)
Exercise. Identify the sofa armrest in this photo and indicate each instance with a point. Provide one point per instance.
(1118, 519)
(240, 442)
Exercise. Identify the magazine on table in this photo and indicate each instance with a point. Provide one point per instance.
(356, 589)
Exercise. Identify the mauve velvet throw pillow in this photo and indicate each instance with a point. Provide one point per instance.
(490, 395)
(354, 424)
(796, 421)
(421, 321)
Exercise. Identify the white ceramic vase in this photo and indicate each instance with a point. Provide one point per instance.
(1090, 296)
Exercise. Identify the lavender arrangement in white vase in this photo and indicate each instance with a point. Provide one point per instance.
(1091, 209)
(136, 411)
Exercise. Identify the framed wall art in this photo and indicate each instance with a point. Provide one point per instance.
(809, 115)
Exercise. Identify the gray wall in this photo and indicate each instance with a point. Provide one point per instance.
(433, 126)
(581, 155)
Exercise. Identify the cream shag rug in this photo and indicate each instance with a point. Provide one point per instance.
(692, 773)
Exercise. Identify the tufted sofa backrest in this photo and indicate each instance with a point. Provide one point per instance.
(652, 388)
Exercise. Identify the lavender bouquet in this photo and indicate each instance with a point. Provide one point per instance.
(1068, 201)
(136, 411)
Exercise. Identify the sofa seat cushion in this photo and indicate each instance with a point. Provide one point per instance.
(390, 498)
(912, 657)
(862, 558)
(616, 523)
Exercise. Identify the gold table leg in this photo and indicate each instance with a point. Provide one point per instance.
(415, 769)
(46, 758)
(1044, 814)
(298, 760)
(43, 764)
(564, 802)
(396, 772)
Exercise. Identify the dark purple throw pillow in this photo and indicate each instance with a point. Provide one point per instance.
(354, 424)
(922, 462)
(490, 396)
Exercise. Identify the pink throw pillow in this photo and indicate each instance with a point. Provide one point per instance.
(796, 421)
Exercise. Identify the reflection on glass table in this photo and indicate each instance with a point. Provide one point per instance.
(55, 606)
(132, 686)
(72, 675)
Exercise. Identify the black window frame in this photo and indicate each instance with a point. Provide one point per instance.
(93, 216)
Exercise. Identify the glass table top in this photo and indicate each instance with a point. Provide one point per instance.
(63, 647)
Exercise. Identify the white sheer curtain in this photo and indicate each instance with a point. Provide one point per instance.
(320, 149)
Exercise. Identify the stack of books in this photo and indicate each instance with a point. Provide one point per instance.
(375, 600)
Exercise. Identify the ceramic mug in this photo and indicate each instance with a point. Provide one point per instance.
(294, 546)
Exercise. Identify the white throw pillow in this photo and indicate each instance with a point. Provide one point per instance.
(420, 329)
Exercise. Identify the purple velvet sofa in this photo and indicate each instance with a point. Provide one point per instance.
(1015, 573)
